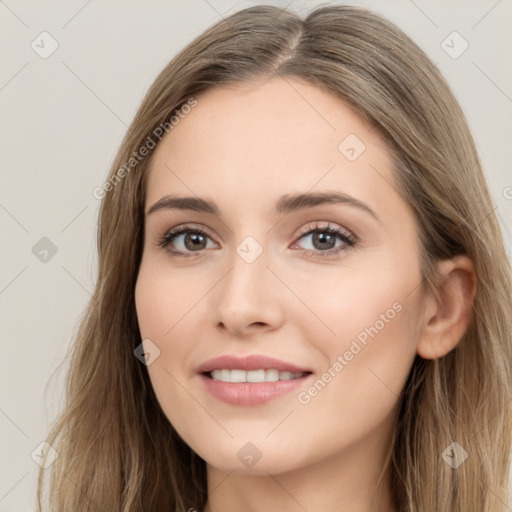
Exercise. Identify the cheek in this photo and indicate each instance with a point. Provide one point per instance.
(163, 298)
(342, 303)
(364, 324)
(163, 306)
(365, 366)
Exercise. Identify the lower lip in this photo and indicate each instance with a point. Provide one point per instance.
(250, 393)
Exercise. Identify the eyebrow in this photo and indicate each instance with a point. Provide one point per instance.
(286, 204)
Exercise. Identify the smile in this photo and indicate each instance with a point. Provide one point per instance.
(270, 375)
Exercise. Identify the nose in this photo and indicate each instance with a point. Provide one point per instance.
(249, 297)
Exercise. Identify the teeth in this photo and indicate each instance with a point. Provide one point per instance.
(254, 375)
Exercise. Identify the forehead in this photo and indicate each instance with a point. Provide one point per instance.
(248, 142)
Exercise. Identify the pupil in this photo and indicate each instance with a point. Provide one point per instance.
(195, 240)
(320, 238)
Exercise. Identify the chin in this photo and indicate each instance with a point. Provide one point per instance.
(245, 458)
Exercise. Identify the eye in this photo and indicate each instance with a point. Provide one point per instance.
(187, 239)
(323, 240)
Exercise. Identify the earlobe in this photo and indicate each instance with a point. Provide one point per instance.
(448, 316)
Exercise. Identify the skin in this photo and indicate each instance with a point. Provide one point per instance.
(243, 146)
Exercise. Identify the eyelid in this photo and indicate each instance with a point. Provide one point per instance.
(318, 225)
(187, 226)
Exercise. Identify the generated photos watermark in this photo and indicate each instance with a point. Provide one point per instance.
(305, 397)
(149, 144)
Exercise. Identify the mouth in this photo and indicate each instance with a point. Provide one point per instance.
(234, 376)
(251, 380)
(251, 388)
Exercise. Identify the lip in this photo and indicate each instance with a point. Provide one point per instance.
(252, 362)
(250, 393)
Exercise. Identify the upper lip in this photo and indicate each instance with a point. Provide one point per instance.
(252, 362)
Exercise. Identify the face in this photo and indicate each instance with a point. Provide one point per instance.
(330, 287)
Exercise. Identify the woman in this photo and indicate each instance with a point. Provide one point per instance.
(341, 338)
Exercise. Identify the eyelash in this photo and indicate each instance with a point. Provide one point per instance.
(347, 238)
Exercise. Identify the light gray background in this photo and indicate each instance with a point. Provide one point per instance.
(63, 118)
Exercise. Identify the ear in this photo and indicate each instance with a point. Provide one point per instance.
(447, 316)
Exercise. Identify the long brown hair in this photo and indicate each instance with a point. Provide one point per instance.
(117, 450)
